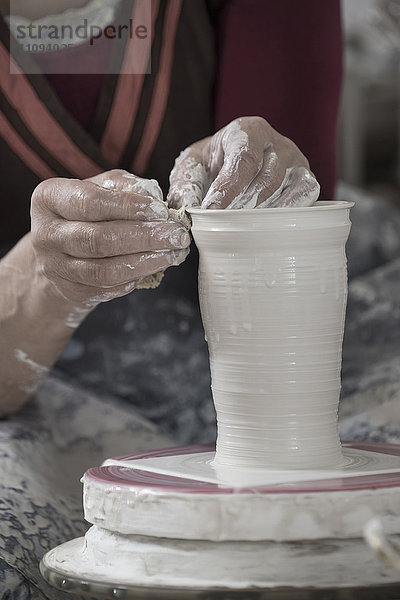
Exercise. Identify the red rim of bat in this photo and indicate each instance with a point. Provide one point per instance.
(121, 476)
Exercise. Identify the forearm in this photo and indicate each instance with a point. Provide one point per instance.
(35, 324)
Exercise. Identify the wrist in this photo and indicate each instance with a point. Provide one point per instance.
(64, 312)
(39, 298)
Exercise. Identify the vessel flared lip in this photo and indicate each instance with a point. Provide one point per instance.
(319, 205)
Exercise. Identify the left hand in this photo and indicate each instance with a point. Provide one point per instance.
(246, 164)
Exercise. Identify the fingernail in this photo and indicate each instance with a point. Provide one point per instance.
(180, 238)
(185, 239)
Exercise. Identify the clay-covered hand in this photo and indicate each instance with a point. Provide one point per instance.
(246, 164)
(96, 239)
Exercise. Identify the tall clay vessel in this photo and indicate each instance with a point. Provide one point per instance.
(273, 291)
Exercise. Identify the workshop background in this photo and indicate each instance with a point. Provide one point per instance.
(369, 132)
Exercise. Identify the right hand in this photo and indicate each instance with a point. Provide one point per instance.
(96, 239)
(246, 164)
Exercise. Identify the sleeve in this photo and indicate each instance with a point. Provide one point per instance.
(282, 60)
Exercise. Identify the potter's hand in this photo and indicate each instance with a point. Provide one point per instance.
(96, 239)
(244, 165)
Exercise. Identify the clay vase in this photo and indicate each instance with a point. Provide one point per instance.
(273, 291)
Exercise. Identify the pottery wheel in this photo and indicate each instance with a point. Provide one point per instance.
(154, 530)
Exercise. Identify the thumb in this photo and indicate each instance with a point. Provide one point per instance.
(189, 180)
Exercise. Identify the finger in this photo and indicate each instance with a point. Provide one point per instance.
(76, 200)
(243, 153)
(299, 188)
(189, 179)
(122, 181)
(265, 184)
(269, 183)
(87, 297)
(110, 238)
(109, 272)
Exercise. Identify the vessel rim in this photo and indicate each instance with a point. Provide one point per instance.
(320, 205)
